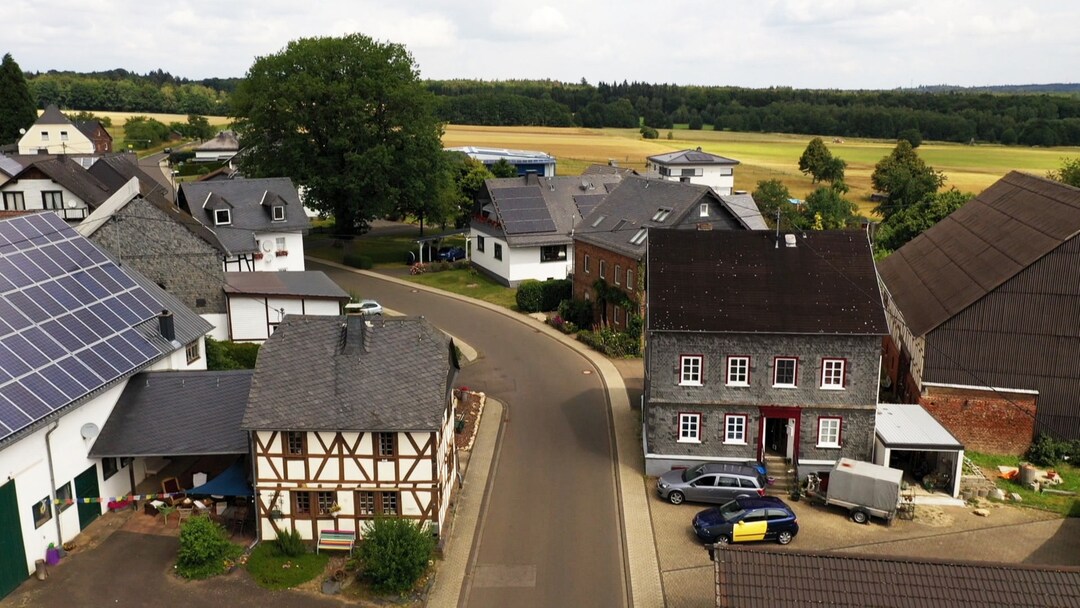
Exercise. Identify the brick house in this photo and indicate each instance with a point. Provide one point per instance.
(760, 345)
(983, 308)
(611, 241)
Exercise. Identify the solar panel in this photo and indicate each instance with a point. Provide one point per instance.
(76, 290)
(529, 226)
(106, 281)
(125, 348)
(95, 324)
(63, 382)
(10, 415)
(121, 278)
(82, 374)
(25, 351)
(531, 202)
(90, 284)
(110, 318)
(99, 365)
(698, 157)
(11, 272)
(26, 401)
(48, 263)
(141, 344)
(12, 316)
(62, 335)
(28, 307)
(12, 364)
(515, 192)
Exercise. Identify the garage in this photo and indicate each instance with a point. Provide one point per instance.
(908, 438)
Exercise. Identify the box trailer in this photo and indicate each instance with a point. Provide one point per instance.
(863, 488)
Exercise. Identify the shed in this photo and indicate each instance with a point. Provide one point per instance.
(908, 438)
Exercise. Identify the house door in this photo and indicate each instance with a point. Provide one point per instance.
(12, 553)
(86, 486)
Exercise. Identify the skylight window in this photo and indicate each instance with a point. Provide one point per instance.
(661, 214)
(639, 237)
(598, 220)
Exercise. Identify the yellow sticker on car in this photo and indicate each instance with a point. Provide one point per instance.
(748, 531)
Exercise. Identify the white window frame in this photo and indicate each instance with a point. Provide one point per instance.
(44, 136)
(832, 374)
(586, 264)
(63, 136)
(218, 218)
(279, 243)
(689, 428)
(794, 373)
(618, 315)
(735, 429)
(629, 279)
(14, 201)
(618, 274)
(828, 434)
(691, 368)
(603, 269)
(279, 213)
(703, 210)
(733, 371)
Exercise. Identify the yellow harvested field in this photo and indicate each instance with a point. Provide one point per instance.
(119, 118)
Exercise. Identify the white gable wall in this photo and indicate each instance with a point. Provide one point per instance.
(518, 263)
(720, 178)
(253, 318)
(32, 142)
(74, 207)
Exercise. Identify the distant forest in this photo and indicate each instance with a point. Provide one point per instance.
(1033, 115)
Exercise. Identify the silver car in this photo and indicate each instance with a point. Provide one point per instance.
(367, 308)
(716, 482)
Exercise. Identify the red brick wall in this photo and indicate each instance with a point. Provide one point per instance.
(984, 421)
(583, 282)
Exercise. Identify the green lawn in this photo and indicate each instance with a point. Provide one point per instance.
(1066, 505)
(388, 249)
(469, 282)
(275, 572)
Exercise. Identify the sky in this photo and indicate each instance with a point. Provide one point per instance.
(835, 44)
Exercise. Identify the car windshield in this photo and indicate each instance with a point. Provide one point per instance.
(731, 510)
(691, 474)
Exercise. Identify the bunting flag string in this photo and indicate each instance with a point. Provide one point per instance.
(128, 497)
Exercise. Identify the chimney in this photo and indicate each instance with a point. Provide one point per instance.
(165, 323)
(789, 240)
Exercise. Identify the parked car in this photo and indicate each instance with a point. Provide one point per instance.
(716, 482)
(451, 254)
(367, 308)
(747, 519)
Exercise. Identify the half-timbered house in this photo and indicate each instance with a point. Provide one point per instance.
(351, 419)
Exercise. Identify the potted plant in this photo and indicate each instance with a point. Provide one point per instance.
(282, 252)
(258, 255)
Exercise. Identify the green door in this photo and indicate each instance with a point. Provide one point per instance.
(12, 553)
(86, 487)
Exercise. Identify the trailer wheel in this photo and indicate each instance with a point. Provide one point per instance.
(859, 516)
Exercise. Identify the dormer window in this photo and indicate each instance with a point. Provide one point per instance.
(661, 214)
(279, 213)
(222, 217)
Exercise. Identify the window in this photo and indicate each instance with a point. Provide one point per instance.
(326, 500)
(52, 199)
(553, 253)
(192, 352)
(14, 201)
(618, 274)
(498, 251)
(735, 428)
(639, 236)
(42, 511)
(279, 213)
(586, 264)
(690, 370)
(738, 371)
(784, 371)
(689, 428)
(703, 210)
(629, 279)
(390, 503)
(480, 243)
(64, 497)
(63, 136)
(279, 242)
(387, 444)
(603, 269)
(597, 221)
(44, 136)
(661, 215)
(109, 467)
(832, 374)
(618, 315)
(294, 442)
(222, 217)
(828, 433)
(301, 503)
(369, 503)
(365, 504)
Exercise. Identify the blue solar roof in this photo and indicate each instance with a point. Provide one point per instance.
(67, 320)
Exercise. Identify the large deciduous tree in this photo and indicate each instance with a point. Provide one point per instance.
(17, 109)
(829, 210)
(904, 178)
(347, 118)
(910, 222)
(820, 164)
(774, 200)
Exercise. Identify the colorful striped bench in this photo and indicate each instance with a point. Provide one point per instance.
(336, 539)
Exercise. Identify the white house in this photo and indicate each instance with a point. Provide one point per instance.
(223, 146)
(76, 327)
(351, 419)
(526, 161)
(53, 133)
(695, 167)
(59, 184)
(260, 222)
(259, 301)
(522, 227)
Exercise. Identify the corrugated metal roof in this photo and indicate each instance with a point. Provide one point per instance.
(307, 283)
(909, 425)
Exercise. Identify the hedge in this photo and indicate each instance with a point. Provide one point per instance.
(357, 261)
(534, 296)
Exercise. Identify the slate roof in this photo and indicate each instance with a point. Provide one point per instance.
(71, 175)
(351, 373)
(765, 577)
(177, 413)
(908, 425)
(90, 128)
(743, 205)
(224, 141)
(115, 170)
(558, 196)
(692, 157)
(244, 196)
(976, 248)
(741, 282)
(632, 205)
(308, 284)
(598, 169)
(52, 116)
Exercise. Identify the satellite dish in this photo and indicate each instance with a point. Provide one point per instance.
(89, 430)
(267, 246)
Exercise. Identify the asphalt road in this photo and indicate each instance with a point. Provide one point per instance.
(550, 532)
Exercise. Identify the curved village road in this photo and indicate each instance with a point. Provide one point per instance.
(550, 534)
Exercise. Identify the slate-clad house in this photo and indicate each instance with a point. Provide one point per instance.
(985, 315)
(350, 419)
(75, 326)
(758, 345)
(260, 222)
(610, 243)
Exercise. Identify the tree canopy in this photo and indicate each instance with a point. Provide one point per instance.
(904, 178)
(1068, 173)
(772, 196)
(348, 119)
(829, 210)
(909, 222)
(818, 162)
(17, 110)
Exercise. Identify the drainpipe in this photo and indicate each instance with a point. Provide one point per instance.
(52, 482)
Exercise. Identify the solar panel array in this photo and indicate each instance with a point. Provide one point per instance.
(67, 319)
(587, 202)
(698, 157)
(522, 210)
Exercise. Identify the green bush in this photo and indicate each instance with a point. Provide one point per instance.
(222, 355)
(394, 553)
(577, 312)
(610, 342)
(554, 291)
(204, 549)
(530, 296)
(649, 133)
(289, 544)
(356, 260)
(1047, 451)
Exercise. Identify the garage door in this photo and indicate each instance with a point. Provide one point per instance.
(12, 554)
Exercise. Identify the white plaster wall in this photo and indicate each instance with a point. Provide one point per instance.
(294, 245)
(32, 189)
(525, 264)
(77, 142)
(177, 360)
(486, 258)
(220, 321)
(720, 179)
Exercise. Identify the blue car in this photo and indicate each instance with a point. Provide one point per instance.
(747, 519)
(451, 254)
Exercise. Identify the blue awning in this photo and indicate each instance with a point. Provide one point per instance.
(233, 481)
